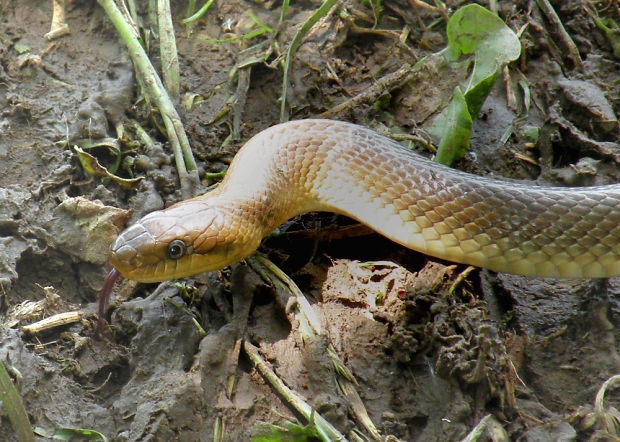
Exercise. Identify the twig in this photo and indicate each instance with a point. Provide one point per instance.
(439, 8)
(370, 95)
(59, 28)
(565, 39)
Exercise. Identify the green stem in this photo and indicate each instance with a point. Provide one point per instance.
(197, 15)
(14, 407)
(176, 134)
(326, 431)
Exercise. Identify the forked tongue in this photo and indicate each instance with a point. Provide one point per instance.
(104, 299)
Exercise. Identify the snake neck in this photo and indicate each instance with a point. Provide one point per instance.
(261, 195)
(256, 210)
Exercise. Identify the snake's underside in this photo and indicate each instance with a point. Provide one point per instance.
(321, 165)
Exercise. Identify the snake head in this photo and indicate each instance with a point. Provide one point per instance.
(183, 240)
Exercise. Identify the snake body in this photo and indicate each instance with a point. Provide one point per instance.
(322, 165)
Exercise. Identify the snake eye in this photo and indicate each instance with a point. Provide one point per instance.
(176, 249)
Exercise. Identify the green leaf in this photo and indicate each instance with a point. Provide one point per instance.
(91, 165)
(455, 125)
(476, 95)
(292, 50)
(14, 406)
(20, 47)
(67, 434)
(472, 30)
(611, 32)
(70, 434)
(475, 30)
(530, 133)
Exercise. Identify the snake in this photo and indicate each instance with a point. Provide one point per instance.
(323, 165)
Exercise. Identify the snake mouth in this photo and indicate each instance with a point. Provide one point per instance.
(147, 269)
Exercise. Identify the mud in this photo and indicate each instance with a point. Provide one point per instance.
(434, 348)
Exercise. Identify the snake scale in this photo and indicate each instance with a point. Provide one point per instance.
(322, 165)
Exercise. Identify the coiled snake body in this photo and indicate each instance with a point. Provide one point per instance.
(321, 165)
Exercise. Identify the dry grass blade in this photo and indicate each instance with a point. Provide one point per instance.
(608, 418)
(357, 407)
(168, 49)
(493, 428)
(373, 93)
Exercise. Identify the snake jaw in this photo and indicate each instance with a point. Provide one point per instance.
(141, 253)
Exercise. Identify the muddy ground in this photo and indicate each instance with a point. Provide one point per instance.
(429, 362)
